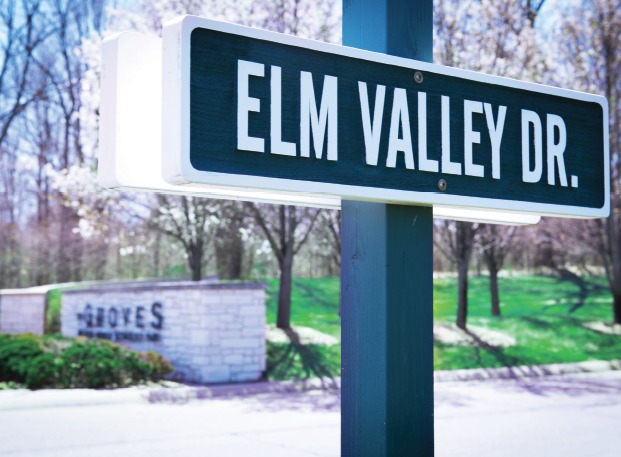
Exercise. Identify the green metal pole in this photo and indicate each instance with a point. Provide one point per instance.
(387, 278)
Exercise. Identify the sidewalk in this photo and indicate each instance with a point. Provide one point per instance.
(571, 415)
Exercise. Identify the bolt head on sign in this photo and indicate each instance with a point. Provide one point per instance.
(249, 109)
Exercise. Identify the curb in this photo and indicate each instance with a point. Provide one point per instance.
(185, 394)
(20, 399)
(53, 398)
(526, 371)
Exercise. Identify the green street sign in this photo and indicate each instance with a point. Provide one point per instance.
(248, 109)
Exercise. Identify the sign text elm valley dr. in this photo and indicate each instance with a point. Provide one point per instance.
(400, 138)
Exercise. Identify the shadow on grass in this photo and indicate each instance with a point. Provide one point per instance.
(585, 287)
(495, 351)
(310, 293)
(296, 361)
(537, 323)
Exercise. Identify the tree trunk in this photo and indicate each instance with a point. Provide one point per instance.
(64, 271)
(614, 247)
(284, 294)
(462, 293)
(617, 308)
(493, 289)
(493, 266)
(195, 260)
(229, 258)
(464, 238)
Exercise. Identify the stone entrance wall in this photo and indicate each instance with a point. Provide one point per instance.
(22, 311)
(211, 332)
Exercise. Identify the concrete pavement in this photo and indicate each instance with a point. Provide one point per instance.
(565, 416)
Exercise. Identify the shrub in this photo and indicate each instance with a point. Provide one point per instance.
(16, 353)
(160, 366)
(58, 362)
(10, 385)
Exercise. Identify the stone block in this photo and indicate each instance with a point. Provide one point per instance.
(253, 321)
(215, 373)
(217, 360)
(239, 343)
(234, 359)
(253, 331)
(199, 337)
(252, 367)
(252, 311)
(234, 326)
(245, 376)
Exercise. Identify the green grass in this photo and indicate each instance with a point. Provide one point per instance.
(314, 303)
(544, 315)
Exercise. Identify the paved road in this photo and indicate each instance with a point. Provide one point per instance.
(567, 416)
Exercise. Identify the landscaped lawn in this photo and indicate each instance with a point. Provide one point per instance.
(543, 313)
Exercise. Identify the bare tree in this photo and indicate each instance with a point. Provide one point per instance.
(490, 37)
(229, 241)
(494, 242)
(286, 228)
(72, 21)
(456, 239)
(331, 224)
(24, 28)
(588, 48)
(190, 221)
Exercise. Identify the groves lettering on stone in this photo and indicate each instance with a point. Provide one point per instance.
(101, 316)
(261, 108)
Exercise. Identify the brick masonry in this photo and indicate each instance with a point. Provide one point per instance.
(211, 333)
(22, 311)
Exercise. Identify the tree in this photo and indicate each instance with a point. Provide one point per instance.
(229, 241)
(491, 37)
(286, 228)
(495, 243)
(455, 239)
(588, 52)
(190, 221)
(24, 28)
(331, 222)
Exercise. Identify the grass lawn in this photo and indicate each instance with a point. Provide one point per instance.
(544, 315)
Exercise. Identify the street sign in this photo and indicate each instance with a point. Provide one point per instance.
(130, 152)
(250, 109)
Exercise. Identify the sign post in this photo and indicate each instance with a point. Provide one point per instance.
(387, 278)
